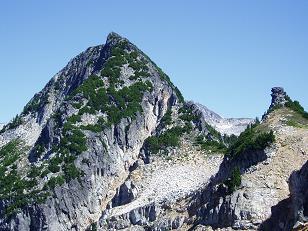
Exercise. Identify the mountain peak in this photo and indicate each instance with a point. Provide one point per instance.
(114, 38)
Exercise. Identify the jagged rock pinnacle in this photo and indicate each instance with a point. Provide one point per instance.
(278, 97)
(114, 38)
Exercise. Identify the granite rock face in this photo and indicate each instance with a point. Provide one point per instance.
(76, 204)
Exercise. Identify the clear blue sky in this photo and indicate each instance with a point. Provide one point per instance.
(224, 54)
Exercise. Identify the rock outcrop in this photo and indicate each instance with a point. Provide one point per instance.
(299, 197)
(291, 213)
(279, 97)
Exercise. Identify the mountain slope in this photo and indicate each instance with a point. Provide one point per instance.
(260, 201)
(64, 158)
(75, 140)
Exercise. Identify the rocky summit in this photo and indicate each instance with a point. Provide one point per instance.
(111, 144)
(278, 97)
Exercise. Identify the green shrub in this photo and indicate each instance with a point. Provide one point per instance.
(293, 105)
(229, 140)
(17, 120)
(44, 173)
(10, 152)
(93, 127)
(38, 150)
(32, 106)
(234, 181)
(55, 181)
(74, 119)
(116, 104)
(170, 138)
(88, 86)
(34, 172)
(167, 118)
(77, 105)
(73, 141)
(19, 192)
(179, 95)
(251, 140)
(294, 123)
(54, 168)
(71, 172)
(188, 117)
(210, 145)
(297, 107)
(35, 103)
(94, 227)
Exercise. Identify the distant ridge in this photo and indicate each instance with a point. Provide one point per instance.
(228, 126)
